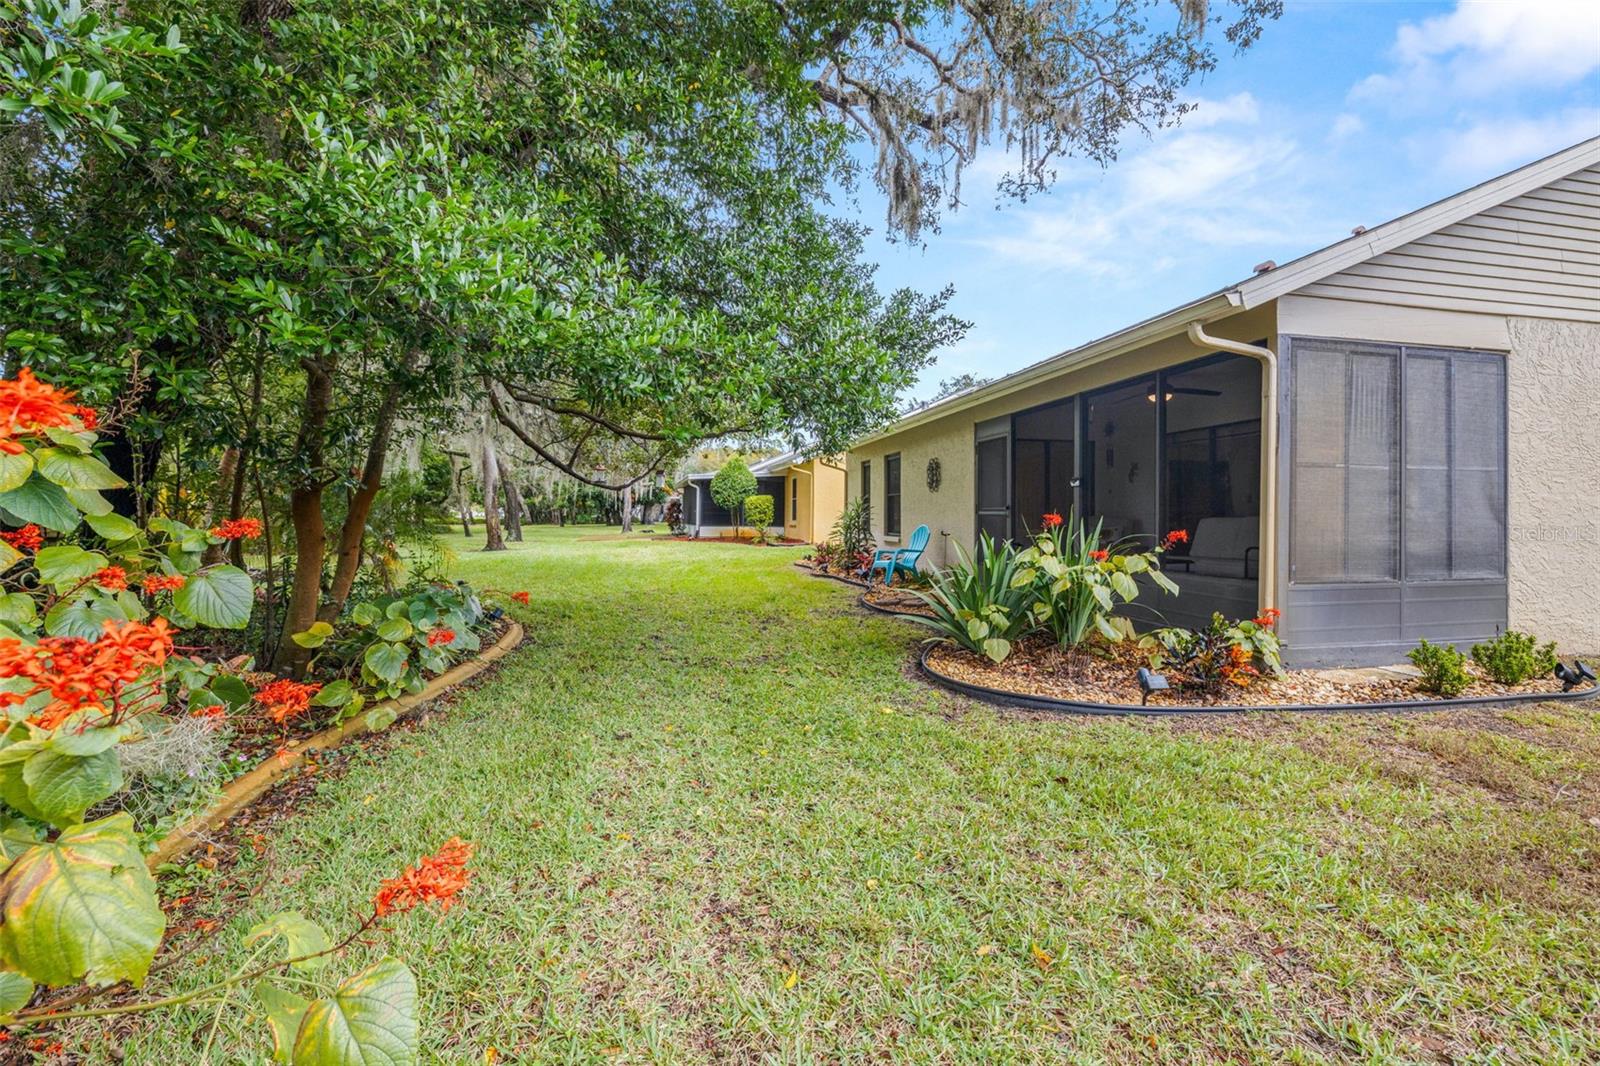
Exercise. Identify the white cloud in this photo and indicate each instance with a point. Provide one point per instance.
(1240, 108)
(1347, 125)
(1495, 145)
(1207, 188)
(1481, 49)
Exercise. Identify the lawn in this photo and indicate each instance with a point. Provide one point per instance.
(718, 820)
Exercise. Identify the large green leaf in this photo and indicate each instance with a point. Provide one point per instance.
(387, 661)
(218, 596)
(17, 608)
(285, 1011)
(84, 618)
(395, 629)
(370, 1020)
(82, 906)
(15, 991)
(62, 786)
(73, 470)
(14, 470)
(64, 565)
(315, 637)
(301, 936)
(89, 501)
(113, 528)
(9, 556)
(43, 502)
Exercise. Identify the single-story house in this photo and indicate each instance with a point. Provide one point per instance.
(1395, 437)
(807, 496)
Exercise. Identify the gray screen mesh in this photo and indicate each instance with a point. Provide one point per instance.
(1344, 515)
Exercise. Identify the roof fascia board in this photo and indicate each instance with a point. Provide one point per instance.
(1108, 347)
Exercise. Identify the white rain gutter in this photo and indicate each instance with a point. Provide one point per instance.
(1267, 566)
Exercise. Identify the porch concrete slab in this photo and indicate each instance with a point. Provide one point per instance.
(1357, 675)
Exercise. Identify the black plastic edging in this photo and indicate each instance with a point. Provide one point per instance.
(862, 601)
(1002, 698)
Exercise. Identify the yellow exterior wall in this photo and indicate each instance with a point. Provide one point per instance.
(821, 498)
(950, 513)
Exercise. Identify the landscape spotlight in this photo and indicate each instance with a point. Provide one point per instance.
(1150, 681)
(1573, 676)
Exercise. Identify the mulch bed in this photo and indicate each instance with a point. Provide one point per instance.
(1038, 667)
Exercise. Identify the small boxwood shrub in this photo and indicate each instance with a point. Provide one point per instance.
(1444, 669)
(759, 511)
(1513, 657)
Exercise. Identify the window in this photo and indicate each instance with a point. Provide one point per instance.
(794, 498)
(1455, 465)
(1396, 446)
(891, 495)
(993, 464)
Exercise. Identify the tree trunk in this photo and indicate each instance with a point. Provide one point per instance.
(463, 508)
(490, 462)
(229, 475)
(305, 511)
(627, 509)
(514, 508)
(354, 530)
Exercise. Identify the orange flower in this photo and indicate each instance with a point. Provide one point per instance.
(520, 597)
(154, 583)
(82, 675)
(436, 878)
(285, 698)
(213, 712)
(1051, 520)
(238, 529)
(30, 538)
(441, 636)
(111, 578)
(1100, 555)
(1175, 538)
(28, 407)
(1269, 617)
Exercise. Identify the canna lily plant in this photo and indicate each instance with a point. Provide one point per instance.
(1076, 584)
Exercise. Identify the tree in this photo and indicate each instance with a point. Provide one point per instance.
(930, 83)
(730, 487)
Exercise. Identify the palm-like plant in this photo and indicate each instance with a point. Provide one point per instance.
(979, 603)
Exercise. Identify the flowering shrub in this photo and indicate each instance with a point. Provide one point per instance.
(88, 668)
(285, 699)
(391, 645)
(1224, 653)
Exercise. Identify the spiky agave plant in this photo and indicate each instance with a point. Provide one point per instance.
(978, 603)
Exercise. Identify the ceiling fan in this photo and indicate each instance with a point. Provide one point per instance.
(1181, 390)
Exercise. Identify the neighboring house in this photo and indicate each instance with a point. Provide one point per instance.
(1428, 391)
(807, 496)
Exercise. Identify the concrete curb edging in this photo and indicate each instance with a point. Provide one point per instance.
(251, 785)
(1028, 701)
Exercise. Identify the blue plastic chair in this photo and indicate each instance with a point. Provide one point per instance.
(903, 560)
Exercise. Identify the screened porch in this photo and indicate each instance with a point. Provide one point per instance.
(1179, 449)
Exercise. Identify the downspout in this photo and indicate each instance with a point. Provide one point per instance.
(1267, 571)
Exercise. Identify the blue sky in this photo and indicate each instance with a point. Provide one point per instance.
(1343, 114)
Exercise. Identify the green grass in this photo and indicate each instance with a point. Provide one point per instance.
(718, 821)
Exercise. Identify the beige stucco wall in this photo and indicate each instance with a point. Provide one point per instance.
(821, 498)
(951, 512)
(1553, 444)
(1553, 387)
